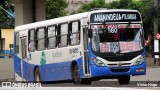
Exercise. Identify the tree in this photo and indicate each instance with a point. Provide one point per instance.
(6, 21)
(124, 3)
(114, 5)
(55, 8)
(93, 4)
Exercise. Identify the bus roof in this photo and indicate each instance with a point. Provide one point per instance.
(66, 19)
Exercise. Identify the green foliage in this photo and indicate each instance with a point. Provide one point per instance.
(124, 3)
(55, 8)
(93, 4)
(114, 5)
(6, 21)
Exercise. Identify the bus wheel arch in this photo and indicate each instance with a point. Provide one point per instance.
(73, 64)
(75, 72)
(37, 75)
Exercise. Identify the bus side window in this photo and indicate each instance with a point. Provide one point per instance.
(17, 43)
(75, 33)
(63, 35)
(52, 39)
(40, 39)
(31, 45)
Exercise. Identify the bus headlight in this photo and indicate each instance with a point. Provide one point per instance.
(97, 62)
(139, 61)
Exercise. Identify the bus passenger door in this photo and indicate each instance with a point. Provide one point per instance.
(23, 56)
(86, 59)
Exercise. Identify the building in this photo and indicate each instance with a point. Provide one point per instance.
(6, 42)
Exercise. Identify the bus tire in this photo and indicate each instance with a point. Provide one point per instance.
(37, 76)
(124, 79)
(77, 79)
(76, 75)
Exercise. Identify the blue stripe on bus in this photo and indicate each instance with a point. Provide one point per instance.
(56, 71)
(49, 72)
(17, 65)
(59, 71)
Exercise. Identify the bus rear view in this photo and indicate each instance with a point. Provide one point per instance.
(116, 45)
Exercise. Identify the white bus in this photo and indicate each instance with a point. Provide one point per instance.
(82, 47)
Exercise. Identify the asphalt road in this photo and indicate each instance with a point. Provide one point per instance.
(6, 69)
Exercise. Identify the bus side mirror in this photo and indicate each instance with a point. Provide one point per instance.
(90, 34)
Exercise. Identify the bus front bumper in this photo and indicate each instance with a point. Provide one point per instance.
(118, 71)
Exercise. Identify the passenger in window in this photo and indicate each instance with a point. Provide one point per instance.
(31, 46)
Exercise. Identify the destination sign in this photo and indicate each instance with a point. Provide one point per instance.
(115, 17)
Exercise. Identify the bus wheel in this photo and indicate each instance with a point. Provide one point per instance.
(37, 76)
(76, 75)
(124, 79)
(77, 79)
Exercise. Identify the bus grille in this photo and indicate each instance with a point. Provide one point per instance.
(123, 64)
(120, 70)
(114, 59)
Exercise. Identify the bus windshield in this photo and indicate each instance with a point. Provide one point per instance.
(117, 38)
